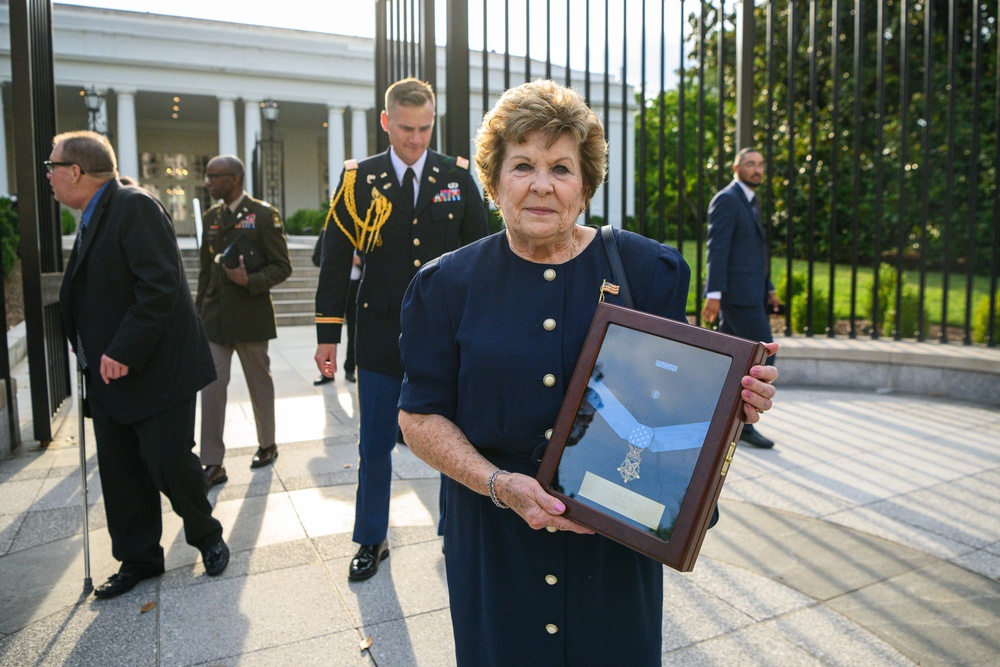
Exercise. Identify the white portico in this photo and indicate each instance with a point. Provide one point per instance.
(178, 91)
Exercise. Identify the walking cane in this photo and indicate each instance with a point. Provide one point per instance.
(88, 585)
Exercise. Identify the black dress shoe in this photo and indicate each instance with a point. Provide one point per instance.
(121, 582)
(365, 562)
(215, 558)
(215, 475)
(752, 437)
(322, 380)
(350, 376)
(265, 456)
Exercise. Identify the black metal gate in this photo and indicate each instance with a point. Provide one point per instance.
(34, 114)
(879, 120)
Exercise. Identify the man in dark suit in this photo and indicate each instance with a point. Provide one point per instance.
(398, 210)
(738, 288)
(144, 355)
(235, 305)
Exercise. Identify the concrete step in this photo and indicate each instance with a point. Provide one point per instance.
(290, 306)
(295, 319)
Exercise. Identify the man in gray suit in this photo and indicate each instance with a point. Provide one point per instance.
(738, 290)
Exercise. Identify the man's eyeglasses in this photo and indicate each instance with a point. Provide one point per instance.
(50, 166)
(212, 177)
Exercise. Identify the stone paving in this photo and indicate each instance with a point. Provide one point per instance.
(869, 536)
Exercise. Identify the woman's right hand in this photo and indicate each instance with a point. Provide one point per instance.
(525, 495)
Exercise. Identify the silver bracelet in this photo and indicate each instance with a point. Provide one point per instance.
(491, 486)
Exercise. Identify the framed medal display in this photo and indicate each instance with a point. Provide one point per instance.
(647, 431)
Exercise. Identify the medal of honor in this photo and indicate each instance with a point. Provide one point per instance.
(639, 436)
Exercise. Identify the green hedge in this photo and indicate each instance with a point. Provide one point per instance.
(10, 237)
(305, 222)
(68, 222)
(981, 319)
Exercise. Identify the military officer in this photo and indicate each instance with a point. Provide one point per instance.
(398, 210)
(235, 304)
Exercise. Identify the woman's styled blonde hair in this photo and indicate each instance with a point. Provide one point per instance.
(555, 110)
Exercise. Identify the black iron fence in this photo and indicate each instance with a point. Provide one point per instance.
(41, 238)
(878, 120)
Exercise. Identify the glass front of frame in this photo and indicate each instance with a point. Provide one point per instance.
(640, 428)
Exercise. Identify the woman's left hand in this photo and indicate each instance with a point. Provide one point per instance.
(758, 391)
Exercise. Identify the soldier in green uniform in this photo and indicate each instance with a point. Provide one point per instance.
(235, 305)
(399, 210)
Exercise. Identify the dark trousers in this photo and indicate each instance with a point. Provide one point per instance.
(378, 398)
(351, 315)
(749, 322)
(137, 462)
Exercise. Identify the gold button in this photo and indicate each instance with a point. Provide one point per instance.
(451, 216)
(551, 529)
(415, 221)
(416, 241)
(365, 305)
(416, 262)
(549, 380)
(550, 274)
(548, 434)
(549, 324)
(551, 628)
(551, 580)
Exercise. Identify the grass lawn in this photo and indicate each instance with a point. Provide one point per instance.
(933, 287)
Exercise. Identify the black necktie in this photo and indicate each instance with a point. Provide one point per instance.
(408, 187)
(755, 204)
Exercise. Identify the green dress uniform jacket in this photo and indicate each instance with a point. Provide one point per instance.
(233, 313)
(449, 213)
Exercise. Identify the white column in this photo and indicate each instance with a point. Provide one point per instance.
(227, 126)
(615, 166)
(251, 132)
(128, 140)
(630, 167)
(359, 133)
(335, 151)
(4, 188)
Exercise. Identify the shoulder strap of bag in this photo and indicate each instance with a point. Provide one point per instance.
(611, 246)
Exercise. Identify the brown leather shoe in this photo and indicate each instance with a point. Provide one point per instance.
(265, 456)
(215, 475)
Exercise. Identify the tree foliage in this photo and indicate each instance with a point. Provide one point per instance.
(873, 154)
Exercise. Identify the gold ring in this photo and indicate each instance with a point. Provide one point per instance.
(759, 411)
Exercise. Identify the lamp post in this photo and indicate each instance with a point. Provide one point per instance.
(93, 101)
(269, 161)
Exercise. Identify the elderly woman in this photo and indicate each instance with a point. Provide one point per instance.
(485, 331)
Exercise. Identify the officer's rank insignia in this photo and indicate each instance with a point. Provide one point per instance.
(432, 179)
(370, 178)
(463, 163)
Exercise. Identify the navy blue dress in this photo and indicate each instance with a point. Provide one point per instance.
(475, 351)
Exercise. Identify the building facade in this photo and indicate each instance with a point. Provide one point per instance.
(177, 91)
